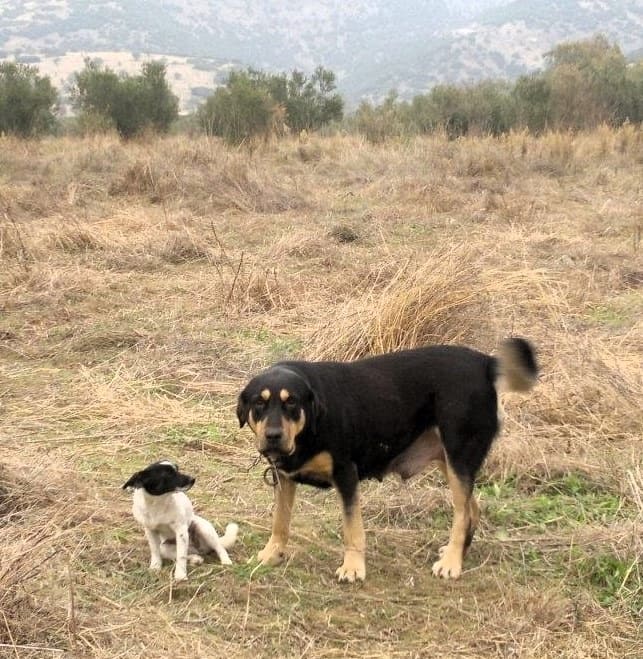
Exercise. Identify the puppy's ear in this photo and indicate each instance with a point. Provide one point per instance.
(243, 408)
(133, 482)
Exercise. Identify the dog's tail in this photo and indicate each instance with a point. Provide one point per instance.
(517, 369)
(230, 535)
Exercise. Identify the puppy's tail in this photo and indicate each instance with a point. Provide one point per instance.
(517, 369)
(230, 535)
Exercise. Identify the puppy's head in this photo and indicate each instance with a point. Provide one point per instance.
(278, 405)
(160, 478)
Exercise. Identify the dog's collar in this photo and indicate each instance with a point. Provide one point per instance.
(271, 476)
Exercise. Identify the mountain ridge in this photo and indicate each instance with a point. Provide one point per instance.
(372, 45)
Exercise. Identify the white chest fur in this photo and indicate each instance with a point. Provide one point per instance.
(162, 513)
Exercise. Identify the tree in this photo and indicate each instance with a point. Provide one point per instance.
(239, 111)
(159, 104)
(589, 85)
(255, 103)
(310, 102)
(28, 101)
(448, 102)
(383, 121)
(635, 92)
(532, 95)
(490, 107)
(131, 104)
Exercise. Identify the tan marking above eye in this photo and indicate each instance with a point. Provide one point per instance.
(265, 394)
(284, 394)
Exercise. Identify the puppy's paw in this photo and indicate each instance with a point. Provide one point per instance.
(450, 564)
(180, 577)
(353, 569)
(155, 566)
(273, 554)
(195, 559)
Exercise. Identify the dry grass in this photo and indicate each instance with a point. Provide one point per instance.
(141, 283)
(439, 301)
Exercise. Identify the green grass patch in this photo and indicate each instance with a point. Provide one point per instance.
(606, 315)
(614, 581)
(275, 346)
(194, 434)
(618, 312)
(566, 501)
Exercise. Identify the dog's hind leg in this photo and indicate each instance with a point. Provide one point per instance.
(474, 513)
(450, 564)
(168, 552)
(274, 552)
(209, 539)
(474, 520)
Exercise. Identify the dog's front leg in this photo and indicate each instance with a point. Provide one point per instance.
(182, 542)
(347, 484)
(154, 541)
(274, 552)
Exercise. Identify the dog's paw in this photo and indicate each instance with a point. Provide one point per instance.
(195, 559)
(353, 569)
(179, 577)
(449, 566)
(155, 566)
(226, 561)
(272, 554)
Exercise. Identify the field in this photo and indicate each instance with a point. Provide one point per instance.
(142, 283)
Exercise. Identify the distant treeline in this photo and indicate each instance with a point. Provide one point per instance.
(584, 84)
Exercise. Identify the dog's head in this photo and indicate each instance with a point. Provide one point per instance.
(278, 405)
(160, 478)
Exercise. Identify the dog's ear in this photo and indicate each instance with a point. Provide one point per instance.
(133, 482)
(243, 408)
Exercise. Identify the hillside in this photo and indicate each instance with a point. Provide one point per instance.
(373, 45)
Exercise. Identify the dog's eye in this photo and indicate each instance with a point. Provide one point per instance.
(291, 405)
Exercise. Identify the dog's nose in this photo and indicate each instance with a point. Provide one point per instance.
(273, 435)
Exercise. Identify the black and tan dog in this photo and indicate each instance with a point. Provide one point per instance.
(332, 424)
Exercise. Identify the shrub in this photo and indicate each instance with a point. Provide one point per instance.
(132, 104)
(28, 101)
(238, 111)
(255, 103)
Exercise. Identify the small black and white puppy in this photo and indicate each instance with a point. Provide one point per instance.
(172, 529)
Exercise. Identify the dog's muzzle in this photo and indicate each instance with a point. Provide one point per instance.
(273, 446)
(186, 484)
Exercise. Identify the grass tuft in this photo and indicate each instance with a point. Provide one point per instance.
(437, 302)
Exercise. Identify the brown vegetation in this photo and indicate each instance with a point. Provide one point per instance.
(141, 283)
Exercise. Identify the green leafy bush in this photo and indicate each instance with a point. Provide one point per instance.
(28, 101)
(132, 104)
